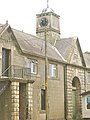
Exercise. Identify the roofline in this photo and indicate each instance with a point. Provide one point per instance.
(83, 67)
(74, 37)
(4, 29)
(46, 13)
(25, 52)
(81, 53)
(59, 61)
(41, 56)
(85, 93)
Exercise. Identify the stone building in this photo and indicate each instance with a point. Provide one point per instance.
(22, 72)
(86, 94)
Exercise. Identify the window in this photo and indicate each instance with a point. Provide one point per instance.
(88, 102)
(52, 70)
(43, 99)
(88, 77)
(32, 66)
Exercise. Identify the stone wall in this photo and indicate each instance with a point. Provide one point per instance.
(73, 72)
(5, 104)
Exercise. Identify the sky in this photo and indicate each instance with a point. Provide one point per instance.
(74, 17)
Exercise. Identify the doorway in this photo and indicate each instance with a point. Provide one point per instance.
(6, 57)
(76, 99)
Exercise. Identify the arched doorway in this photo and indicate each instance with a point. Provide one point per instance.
(76, 99)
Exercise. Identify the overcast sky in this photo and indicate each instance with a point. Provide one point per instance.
(74, 17)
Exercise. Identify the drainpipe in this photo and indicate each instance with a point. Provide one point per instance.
(85, 79)
(65, 92)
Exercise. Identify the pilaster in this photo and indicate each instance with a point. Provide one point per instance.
(30, 100)
(15, 101)
(69, 92)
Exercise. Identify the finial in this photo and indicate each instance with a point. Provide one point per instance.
(47, 3)
(7, 22)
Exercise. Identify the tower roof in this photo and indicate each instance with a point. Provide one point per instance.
(47, 10)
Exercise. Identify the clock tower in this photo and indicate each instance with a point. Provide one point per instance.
(49, 21)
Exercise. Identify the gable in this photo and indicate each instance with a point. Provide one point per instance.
(8, 41)
(7, 38)
(77, 55)
(71, 51)
(87, 59)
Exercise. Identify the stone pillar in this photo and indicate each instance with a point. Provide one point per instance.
(69, 101)
(15, 101)
(69, 93)
(30, 100)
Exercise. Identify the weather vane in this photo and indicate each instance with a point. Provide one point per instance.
(47, 3)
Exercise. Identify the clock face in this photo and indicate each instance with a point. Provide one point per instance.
(43, 22)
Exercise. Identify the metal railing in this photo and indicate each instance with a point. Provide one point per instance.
(17, 72)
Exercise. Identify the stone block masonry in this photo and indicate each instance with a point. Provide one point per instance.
(15, 101)
(30, 100)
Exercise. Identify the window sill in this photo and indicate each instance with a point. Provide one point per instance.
(53, 78)
(42, 111)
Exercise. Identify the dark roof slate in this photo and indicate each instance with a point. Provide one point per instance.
(87, 58)
(2, 27)
(85, 93)
(65, 46)
(34, 45)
